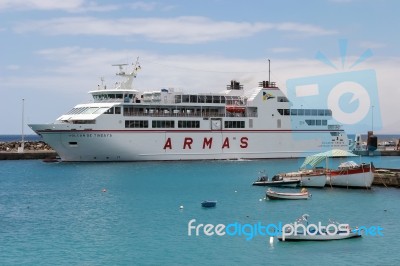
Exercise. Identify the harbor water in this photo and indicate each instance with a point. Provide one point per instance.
(138, 214)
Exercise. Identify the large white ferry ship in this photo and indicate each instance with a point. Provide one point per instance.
(124, 124)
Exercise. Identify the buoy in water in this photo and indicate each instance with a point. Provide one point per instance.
(181, 207)
(104, 190)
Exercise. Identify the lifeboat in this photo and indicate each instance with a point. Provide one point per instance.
(235, 109)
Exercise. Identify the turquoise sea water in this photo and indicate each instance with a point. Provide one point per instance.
(57, 214)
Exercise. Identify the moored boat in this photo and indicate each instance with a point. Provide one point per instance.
(352, 175)
(303, 194)
(276, 181)
(308, 178)
(348, 174)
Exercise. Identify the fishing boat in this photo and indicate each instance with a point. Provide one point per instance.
(208, 203)
(303, 194)
(301, 230)
(276, 181)
(351, 174)
(123, 123)
(348, 174)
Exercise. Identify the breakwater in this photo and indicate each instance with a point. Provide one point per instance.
(32, 150)
(378, 153)
(386, 177)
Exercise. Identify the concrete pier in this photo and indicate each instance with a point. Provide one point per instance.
(32, 150)
(386, 177)
(378, 153)
(27, 155)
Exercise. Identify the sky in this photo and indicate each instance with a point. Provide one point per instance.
(53, 52)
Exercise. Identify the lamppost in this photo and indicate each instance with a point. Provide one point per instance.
(21, 149)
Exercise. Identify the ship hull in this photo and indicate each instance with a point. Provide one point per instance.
(147, 145)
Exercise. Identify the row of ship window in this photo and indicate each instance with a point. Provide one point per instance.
(316, 122)
(306, 112)
(179, 98)
(181, 124)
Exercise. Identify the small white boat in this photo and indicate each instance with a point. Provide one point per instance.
(301, 230)
(319, 237)
(308, 178)
(303, 194)
(276, 181)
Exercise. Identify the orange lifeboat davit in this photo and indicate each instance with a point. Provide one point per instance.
(235, 109)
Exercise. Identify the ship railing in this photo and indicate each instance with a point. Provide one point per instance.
(205, 114)
(109, 101)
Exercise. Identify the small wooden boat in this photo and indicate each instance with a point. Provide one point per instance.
(208, 203)
(303, 194)
(276, 181)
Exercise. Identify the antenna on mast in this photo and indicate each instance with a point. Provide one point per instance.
(121, 69)
(136, 66)
(269, 71)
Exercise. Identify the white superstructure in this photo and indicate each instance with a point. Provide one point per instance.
(124, 124)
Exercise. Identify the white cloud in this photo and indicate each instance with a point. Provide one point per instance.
(171, 30)
(47, 5)
(41, 4)
(307, 29)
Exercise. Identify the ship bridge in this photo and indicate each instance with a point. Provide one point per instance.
(114, 95)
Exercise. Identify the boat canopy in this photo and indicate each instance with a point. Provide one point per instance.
(314, 160)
